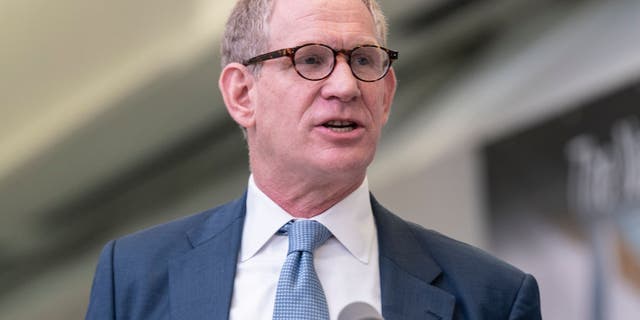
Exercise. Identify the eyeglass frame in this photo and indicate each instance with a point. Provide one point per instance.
(291, 52)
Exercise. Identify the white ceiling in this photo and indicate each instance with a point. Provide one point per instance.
(64, 62)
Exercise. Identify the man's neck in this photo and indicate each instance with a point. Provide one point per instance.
(304, 197)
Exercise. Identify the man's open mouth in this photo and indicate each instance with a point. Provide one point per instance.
(340, 125)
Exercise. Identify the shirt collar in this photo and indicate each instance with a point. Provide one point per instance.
(350, 221)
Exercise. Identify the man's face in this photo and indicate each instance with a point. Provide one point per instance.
(298, 122)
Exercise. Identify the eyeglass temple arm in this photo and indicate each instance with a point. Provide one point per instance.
(270, 55)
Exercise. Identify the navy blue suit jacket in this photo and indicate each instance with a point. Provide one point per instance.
(185, 270)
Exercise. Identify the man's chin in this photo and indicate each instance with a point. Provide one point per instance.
(342, 166)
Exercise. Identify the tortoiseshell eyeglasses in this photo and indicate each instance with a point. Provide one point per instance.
(315, 61)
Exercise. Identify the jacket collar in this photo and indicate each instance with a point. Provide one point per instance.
(407, 272)
(201, 281)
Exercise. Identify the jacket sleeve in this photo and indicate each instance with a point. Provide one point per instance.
(102, 300)
(527, 302)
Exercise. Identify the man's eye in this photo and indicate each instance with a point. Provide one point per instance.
(311, 60)
(362, 60)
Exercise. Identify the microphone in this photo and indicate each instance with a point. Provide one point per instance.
(359, 311)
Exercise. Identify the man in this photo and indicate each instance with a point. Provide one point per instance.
(311, 85)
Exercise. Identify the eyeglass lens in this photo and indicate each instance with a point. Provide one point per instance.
(316, 62)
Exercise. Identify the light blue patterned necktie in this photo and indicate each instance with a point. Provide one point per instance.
(299, 295)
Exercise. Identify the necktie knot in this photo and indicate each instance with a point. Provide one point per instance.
(299, 295)
(306, 235)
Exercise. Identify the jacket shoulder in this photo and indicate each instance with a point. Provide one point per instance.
(171, 238)
(483, 285)
(132, 273)
(462, 259)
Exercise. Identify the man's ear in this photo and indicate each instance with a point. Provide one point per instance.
(236, 83)
(390, 83)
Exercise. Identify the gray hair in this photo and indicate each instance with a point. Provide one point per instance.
(246, 32)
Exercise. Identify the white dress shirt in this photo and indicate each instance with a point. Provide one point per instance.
(347, 264)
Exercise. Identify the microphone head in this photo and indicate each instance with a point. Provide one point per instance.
(359, 311)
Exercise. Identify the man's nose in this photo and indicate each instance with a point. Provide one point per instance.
(341, 83)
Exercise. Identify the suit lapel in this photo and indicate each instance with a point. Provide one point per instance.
(407, 272)
(201, 281)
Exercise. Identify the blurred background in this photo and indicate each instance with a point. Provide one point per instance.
(516, 127)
